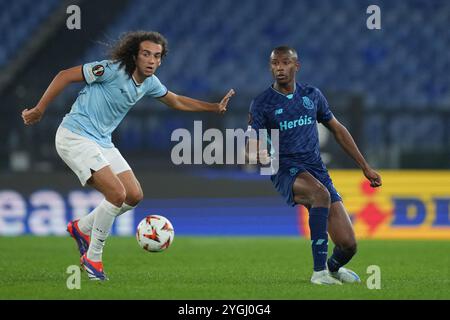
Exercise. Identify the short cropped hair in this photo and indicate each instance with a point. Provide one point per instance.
(286, 49)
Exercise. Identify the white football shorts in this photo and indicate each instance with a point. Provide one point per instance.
(83, 155)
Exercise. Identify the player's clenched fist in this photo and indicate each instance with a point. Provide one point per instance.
(31, 116)
(264, 157)
(373, 177)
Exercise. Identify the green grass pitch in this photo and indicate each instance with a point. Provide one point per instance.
(209, 268)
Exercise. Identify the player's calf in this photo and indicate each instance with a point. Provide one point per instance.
(318, 220)
(341, 256)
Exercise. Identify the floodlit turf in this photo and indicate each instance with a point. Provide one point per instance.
(220, 268)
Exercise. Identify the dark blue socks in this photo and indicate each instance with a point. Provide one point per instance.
(339, 258)
(318, 222)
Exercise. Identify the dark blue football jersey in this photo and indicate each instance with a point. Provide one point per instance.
(295, 116)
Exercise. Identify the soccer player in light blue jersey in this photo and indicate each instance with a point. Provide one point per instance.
(295, 109)
(83, 140)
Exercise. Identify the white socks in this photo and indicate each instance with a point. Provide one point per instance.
(85, 224)
(124, 208)
(98, 224)
(105, 214)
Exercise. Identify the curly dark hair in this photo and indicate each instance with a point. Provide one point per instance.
(126, 49)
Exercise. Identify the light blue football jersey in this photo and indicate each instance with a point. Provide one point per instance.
(105, 100)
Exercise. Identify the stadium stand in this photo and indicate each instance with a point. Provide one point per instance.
(401, 71)
(18, 20)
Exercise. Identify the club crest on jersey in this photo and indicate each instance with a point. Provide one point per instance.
(293, 171)
(307, 103)
(98, 70)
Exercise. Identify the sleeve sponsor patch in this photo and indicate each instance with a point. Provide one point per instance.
(98, 70)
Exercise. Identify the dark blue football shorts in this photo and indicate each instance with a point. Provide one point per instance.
(284, 179)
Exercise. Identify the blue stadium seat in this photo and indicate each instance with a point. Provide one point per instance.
(18, 21)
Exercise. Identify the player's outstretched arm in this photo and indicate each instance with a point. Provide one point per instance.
(60, 81)
(189, 104)
(344, 138)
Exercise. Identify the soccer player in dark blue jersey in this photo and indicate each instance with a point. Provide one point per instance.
(302, 178)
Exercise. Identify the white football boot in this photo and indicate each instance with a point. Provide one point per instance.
(345, 275)
(324, 277)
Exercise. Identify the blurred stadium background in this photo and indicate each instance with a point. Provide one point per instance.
(390, 87)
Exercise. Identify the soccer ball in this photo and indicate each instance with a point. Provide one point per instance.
(155, 233)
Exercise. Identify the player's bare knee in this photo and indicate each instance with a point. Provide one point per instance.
(321, 197)
(134, 198)
(305, 201)
(116, 196)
